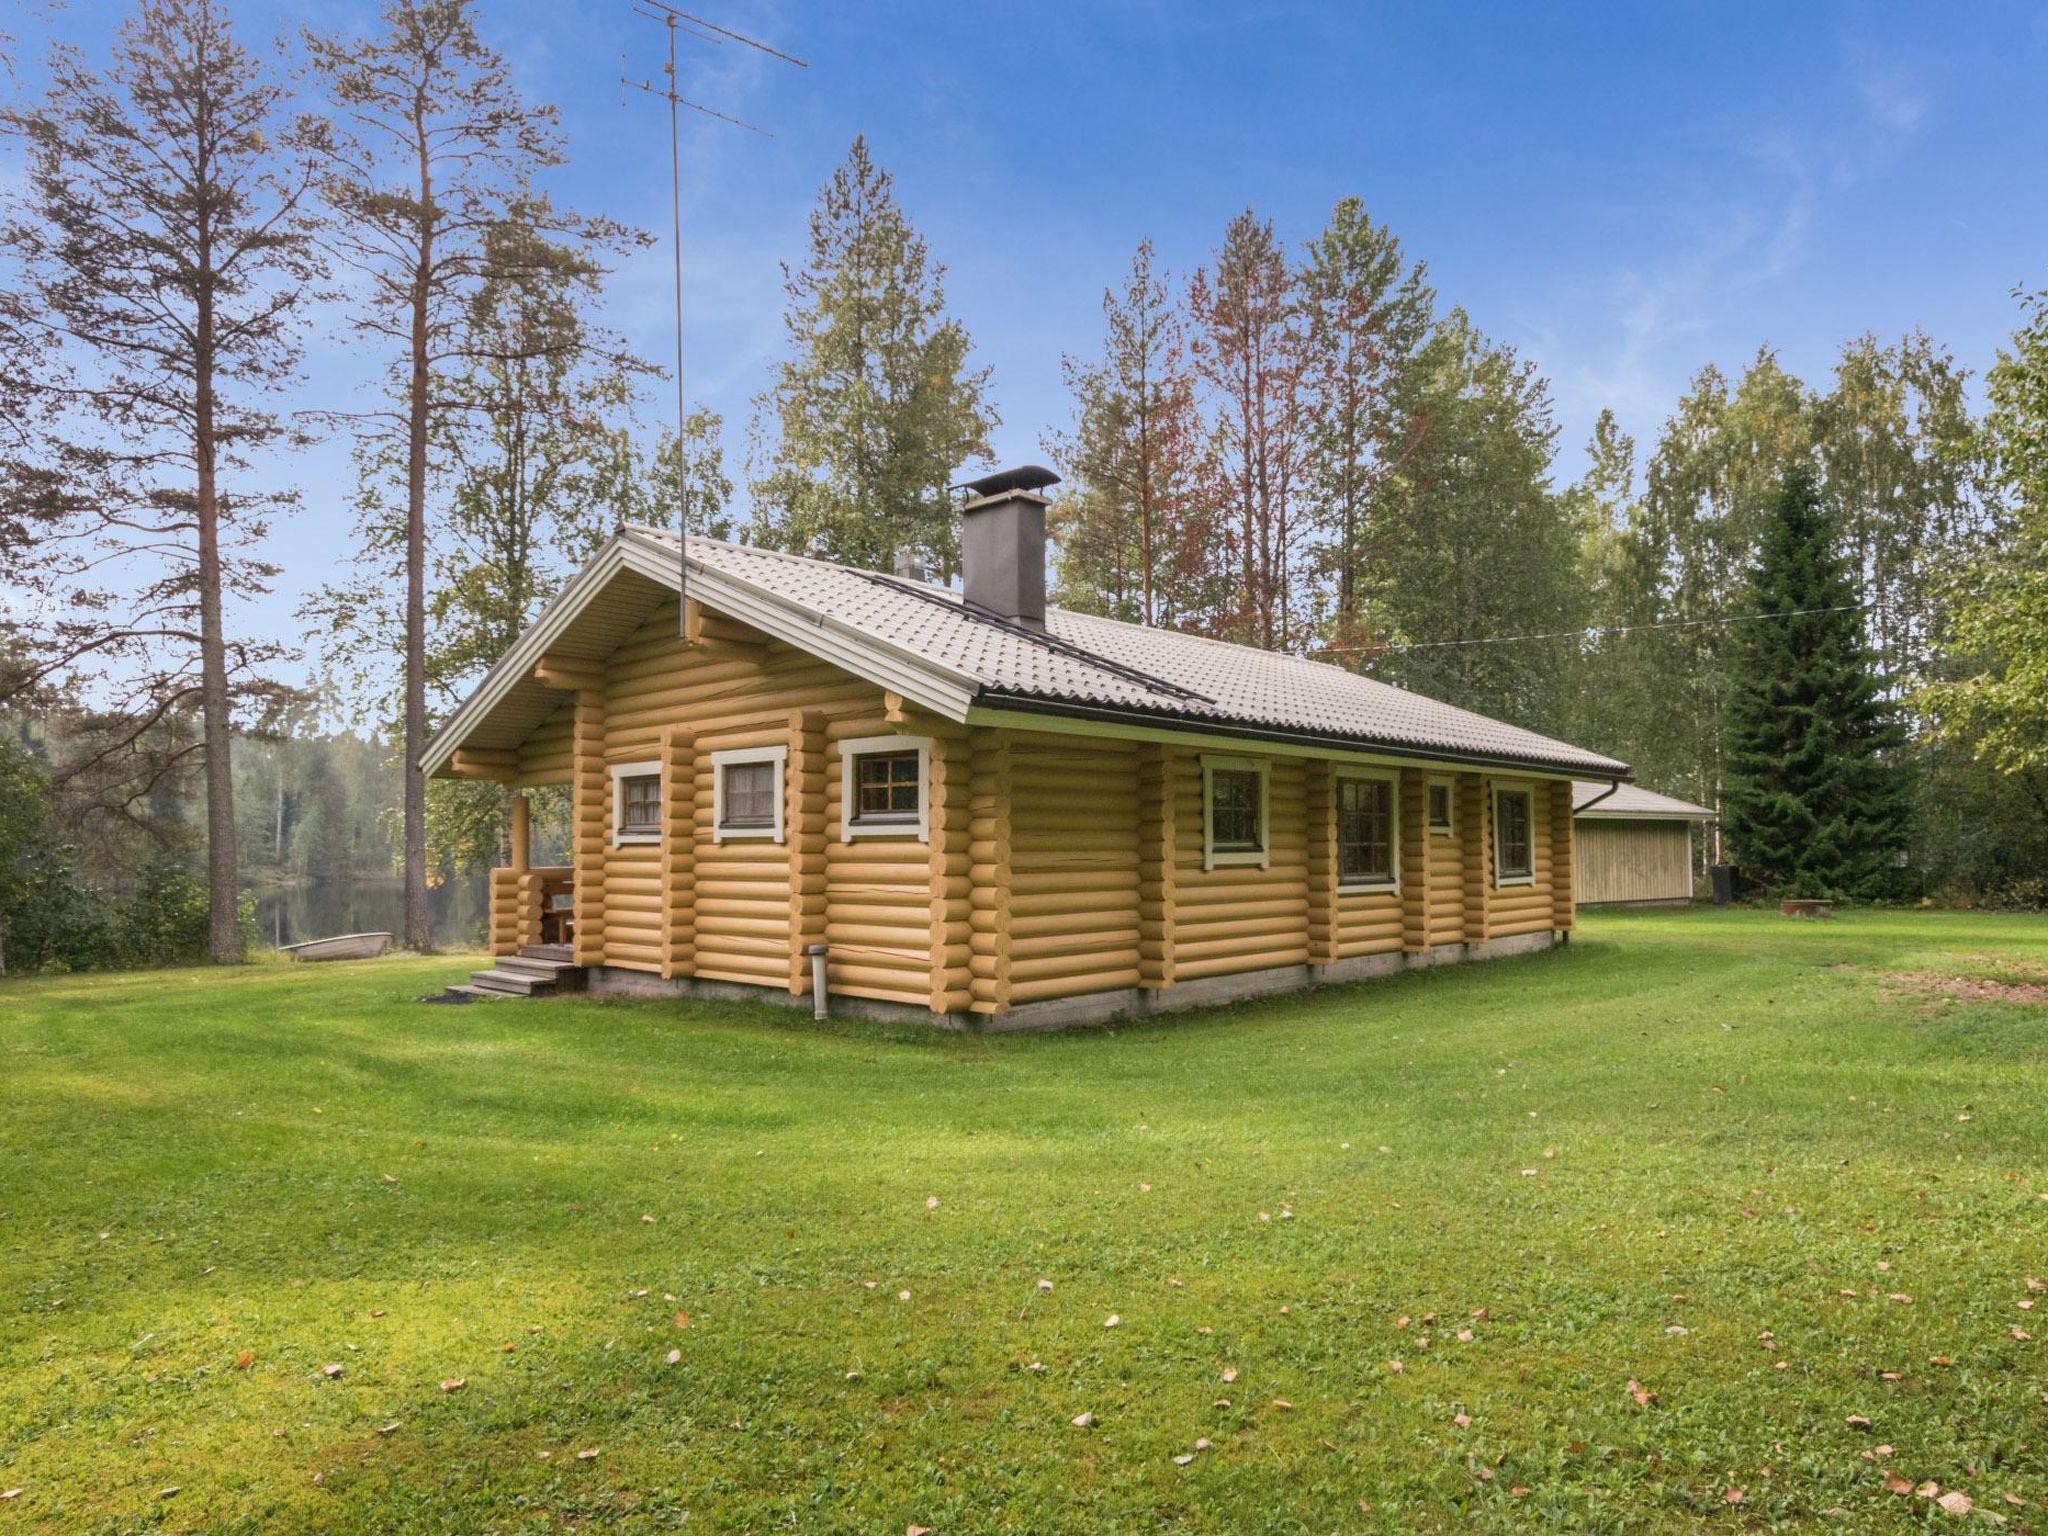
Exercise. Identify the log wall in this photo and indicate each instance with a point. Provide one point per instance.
(1054, 865)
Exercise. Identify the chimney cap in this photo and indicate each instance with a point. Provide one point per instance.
(1025, 477)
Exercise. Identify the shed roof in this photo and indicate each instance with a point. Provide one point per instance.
(924, 641)
(1633, 802)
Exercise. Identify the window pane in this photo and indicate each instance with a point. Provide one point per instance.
(886, 787)
(1365, 829)
(640, 803)
(1512, 834)
(750, 794)
(1440, 807)
(1234, 810)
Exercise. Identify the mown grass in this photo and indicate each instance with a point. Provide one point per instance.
(1697, 1150)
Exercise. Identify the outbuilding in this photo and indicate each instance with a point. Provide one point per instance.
(983, 811)
(1632, 846)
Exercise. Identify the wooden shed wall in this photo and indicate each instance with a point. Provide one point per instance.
(1056, 864)
(1634, 860)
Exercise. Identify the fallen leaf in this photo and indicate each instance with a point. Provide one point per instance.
(453, 1384)
(1230, 1373)
(376, 1311)
(1642, 1394)
(1045, 1285)
(1893, 1483)
(165, 1493)
(12, 1493)
(1203, 1444)
(1082, 1420)
(389, 1429)
(245, 1359)
(1956, 1503)
(931, 1202)
(903, 1295)
(1464, 1335)
(644, 1216)
(1111, 1321)
(1282, 1404)
(1462, 1420)
(1733, 1496)
(674, 1357)
(2021, 1334)
(1520, 1490)
(917, 1530)
(330, 1371)
(1928, 1489)
(682, 1319)
(1857, 1421)
(1396, 1367)
(1901, 1298)
(586, 1455)
(1183, 1459)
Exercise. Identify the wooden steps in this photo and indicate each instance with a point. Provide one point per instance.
(538, 970)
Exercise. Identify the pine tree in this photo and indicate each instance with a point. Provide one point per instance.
(1249, 353)
(1478, 547)
(876, 408)
(163, 228)
(1133, 538)
(1814, 801)
(1367, 314)
(430, 153)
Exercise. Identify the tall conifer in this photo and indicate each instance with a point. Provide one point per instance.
(1814, 801)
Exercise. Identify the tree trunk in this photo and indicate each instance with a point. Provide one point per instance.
(223, 917)
(417, 933)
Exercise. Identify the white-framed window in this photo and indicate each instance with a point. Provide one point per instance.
(1368, 832)
(1443, 807)
(636, 803)
(1514, 837)
(1235, 796)
(882, 787)
(746, 792)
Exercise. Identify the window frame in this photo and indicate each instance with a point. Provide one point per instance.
(1502, 876)
(737, 757)
(1449, 828)
(1365, 885)
(1218, 858)
(621, 836)
(850, 825)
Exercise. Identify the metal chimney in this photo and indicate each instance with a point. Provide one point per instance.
(1002, 543)
(909, 565)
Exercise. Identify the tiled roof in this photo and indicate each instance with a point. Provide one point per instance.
(1633, 800)
(1099, 664)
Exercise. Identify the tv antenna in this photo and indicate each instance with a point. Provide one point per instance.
(674, 21)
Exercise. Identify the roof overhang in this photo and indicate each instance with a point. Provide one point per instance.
(1022, 712)
(916, 678)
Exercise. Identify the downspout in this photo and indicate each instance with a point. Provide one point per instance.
(1613, 788)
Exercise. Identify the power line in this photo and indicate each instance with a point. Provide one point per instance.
(1591, 633)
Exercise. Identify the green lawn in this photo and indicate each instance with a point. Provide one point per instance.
(1435, 1226)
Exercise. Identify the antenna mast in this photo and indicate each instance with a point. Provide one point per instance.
(673, 21)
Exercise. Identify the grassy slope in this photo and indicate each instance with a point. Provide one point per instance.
(1746, 1124)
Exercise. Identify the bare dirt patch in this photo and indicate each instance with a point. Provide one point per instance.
(1975, 989)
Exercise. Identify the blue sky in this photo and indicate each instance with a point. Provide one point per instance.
(1623, 193)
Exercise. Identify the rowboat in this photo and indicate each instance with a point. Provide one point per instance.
(343, 946)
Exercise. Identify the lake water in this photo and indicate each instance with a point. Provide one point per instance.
(459, 910)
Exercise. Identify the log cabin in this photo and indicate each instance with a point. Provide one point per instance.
(966, 807)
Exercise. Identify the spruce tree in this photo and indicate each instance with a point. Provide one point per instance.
(1814, 800)
(876, 407)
